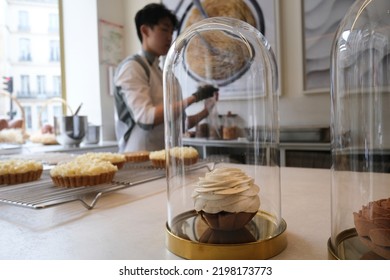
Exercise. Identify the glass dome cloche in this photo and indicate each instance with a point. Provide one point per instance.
(360, 125)
(224, 200)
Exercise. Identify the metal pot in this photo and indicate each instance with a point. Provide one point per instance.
(93, 134)
(70, 130)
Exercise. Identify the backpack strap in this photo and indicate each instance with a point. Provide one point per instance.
(139, 59)
(124, 113)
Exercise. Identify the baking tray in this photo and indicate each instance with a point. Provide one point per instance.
(42, 194)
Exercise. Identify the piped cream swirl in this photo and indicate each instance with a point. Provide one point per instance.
(226, 189)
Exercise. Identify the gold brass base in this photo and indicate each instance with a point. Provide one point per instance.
(345, 235)
(196, 241)
(348, 246)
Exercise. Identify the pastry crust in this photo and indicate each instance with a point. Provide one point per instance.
(78, 181)
(83, 172)
(138, 156)
(158, 158)
(185, 155)
(19, 171)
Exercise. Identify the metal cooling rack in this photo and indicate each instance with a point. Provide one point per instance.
(43, 194)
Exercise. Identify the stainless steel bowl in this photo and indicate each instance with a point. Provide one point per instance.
(70, 130)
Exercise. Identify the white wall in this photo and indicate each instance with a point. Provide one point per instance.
(120, 12)
(296, 107)
(110, 11)
(82, 57)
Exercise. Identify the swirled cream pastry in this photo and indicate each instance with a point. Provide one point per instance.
(226, 198)
(372, 224)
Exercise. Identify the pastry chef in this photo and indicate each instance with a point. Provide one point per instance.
(139, 85)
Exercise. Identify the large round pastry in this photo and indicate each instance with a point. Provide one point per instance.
(215, 54)
(158, 158)
(372, 224)
(83, 172)
(115, 158)
(138, 156)
(44, 138)
(16, 171)
(185, 155)
(226, 198)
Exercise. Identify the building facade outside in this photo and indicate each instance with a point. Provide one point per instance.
(30, 54)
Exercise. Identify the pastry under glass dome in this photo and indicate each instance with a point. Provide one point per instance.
(360, 125)
(235, 57)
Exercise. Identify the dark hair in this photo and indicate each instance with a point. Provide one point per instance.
(151, 15)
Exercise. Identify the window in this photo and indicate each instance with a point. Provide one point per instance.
(57, 86)
(54, 50)
(25, 86)
(24, 49)
(42, 111)
(32, 28)
(53, 23)
(41, 84)
(57, 111)
(24, 22)
(28, 116)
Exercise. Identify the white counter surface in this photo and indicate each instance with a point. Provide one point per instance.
(130, 224)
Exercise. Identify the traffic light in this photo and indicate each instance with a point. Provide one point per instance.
(8, 84)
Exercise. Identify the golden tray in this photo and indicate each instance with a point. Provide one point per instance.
(192, 234)
(348, 246)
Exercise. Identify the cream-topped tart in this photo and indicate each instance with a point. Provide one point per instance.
(115, 158)
(16, 171)
(83, 172)
(187, 155)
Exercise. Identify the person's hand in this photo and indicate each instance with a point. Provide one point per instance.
(204, 92)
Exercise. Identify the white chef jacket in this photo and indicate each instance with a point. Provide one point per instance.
(141, 92)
